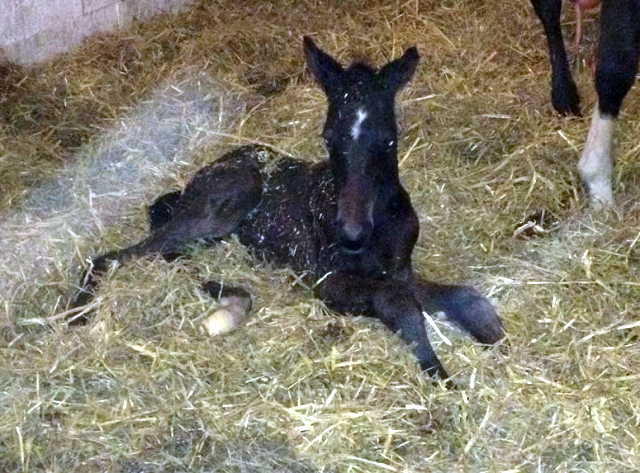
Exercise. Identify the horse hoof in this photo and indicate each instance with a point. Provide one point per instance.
(225, 319)
(78, 320)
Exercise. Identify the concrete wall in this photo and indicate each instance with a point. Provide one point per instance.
(33, 30)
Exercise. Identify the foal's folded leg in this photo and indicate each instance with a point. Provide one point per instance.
(464, 306)
(161, 212)
(390, 301)
(91, 278)
(155, 243)
(212, 206)
(167, 240)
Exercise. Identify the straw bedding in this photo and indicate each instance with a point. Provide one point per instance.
(87, 140)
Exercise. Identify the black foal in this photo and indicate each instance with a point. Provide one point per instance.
(347, 220)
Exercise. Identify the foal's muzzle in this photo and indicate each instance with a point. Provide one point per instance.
(353, 243)
(355, 215)
(354, 233)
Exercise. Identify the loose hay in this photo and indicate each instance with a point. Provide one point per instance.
(88, 139)
(109, 179)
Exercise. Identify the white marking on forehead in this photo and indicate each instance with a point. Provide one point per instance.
(355, 129)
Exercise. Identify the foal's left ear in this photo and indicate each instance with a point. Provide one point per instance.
(397, 73)
(324, 68)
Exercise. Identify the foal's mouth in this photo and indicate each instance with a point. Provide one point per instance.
(350, 249)
(354, 244)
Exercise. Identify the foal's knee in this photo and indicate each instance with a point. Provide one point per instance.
(395, 304)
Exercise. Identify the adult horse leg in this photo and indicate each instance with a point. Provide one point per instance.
(618, 55)
(390, 301)
(212, 206)
(564, 93)
(462, 305)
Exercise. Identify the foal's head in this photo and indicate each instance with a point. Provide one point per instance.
(361, 135)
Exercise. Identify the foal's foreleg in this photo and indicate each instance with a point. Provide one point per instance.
(464, 306)
(390, 301)
(396, 306)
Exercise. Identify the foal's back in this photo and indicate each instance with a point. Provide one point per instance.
(293, 223)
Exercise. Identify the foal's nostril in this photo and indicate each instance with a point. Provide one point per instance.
(350, 231)
(353, 238)
(355, 216)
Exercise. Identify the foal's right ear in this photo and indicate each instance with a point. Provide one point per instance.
(397, 73)
(324, 68)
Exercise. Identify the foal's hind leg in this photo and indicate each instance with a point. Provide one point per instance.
(393, 303)
(212, 206)
(161, 212)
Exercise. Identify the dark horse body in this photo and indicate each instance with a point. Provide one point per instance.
(347, 221)
(617, 64)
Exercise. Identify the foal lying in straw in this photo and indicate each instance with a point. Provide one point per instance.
(348, 221)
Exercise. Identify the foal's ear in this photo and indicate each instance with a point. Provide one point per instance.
(323, 67)
(398, 72)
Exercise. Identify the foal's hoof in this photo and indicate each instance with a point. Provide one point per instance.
(82, 313)
(224, 320)
(437, 373)
(449, 385)
(78, 320)
(235, 304)
(602, 205)
(440, 376)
